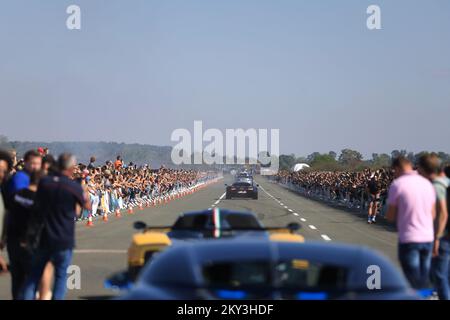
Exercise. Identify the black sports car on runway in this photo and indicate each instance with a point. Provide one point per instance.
(242, 189)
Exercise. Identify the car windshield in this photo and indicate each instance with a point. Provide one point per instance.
(227, 221)
(294, 274)
(242, 184)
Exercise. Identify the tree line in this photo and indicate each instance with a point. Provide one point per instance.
(156, 156)
(351, 160)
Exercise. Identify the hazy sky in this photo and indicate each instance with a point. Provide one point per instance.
(137, 70)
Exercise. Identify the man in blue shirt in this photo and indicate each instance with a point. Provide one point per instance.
(21, 179)
(56, 203)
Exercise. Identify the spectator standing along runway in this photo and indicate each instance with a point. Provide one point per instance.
(411, 204)
(56, 203)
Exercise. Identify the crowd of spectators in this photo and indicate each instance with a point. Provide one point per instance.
(115, 185)
(413, 196)
(42, 197)
(365, 190)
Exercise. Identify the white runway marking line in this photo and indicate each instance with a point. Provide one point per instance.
(279, 202)
(303, 219)
(325, 237)
(312, 227)
(217, 202)
(295, 214)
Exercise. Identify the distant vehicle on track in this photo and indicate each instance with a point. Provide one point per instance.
(243, 188)
(244, 175)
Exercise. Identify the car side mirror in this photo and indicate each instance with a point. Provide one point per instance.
(139, 225)
(293, 226)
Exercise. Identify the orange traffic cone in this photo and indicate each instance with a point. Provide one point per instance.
(105, 217)
(141, 207)
(89, 222)
(130, 210)
(118, 215)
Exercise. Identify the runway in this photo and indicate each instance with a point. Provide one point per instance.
(101, 249)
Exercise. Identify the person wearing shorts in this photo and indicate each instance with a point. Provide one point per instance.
(374, 199)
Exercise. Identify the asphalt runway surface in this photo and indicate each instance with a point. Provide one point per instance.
(101, 249)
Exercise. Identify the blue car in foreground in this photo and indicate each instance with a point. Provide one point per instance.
(250, 268)
(196, 226)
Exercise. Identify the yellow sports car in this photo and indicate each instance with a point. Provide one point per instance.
(195, 226)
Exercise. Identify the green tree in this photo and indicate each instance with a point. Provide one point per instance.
(332, 154)
(382, 160)
(325, 162)
(286, 162)
(310, 158)
(301, 160)
(350, 157)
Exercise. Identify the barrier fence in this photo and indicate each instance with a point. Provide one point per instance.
(105, 203)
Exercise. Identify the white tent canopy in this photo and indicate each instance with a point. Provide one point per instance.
(300, 166)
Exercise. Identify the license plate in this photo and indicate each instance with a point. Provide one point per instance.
(242, 191)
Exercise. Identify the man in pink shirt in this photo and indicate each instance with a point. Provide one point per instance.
(411, 204)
